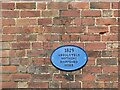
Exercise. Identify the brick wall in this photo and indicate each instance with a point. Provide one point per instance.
(32, 30)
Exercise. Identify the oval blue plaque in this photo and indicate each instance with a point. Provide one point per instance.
(69, 57)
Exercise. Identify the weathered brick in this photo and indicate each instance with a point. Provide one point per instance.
(106, 61)
(74, 38)
(50, 13)
(34, 53)
(106, 77)
(38, 84)
(38, 61)
(100, 5)
(22, 85)
(78, 5)
(44, 21)
(20, 77)
(41, 77)
(70, 13)
(110, 69)
(65, 37)
(62, 20)
(21, 69)
(26, 5)
(106, 21)
(8, 38)
(115, 5)
(80, 29)
(8, 22)
(37, 45)
(59, 77)
(54, 84)
(26, 37)
(92, 69)
(90, 13)
(10, 14)
(91, 61)
(107, 53)
(9, 84)
(116, 13)
(71, 85)
(6, 77)
(4, 61)
(95, 46)
(14, 61)
(85, 77)
(90, 38)
(25, 22)
(20, 45)
(6, 45)
(84, 21)
(110, 38)
(41, 5)
(9, 69)
(8, 5)
(93, 53)
(114, 29)
(12, 30)
(4, 53)
(107, 13)
(92, 84)
(57, 5)
(97, 29)
(30, 14)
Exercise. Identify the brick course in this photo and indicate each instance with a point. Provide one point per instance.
(32, 30)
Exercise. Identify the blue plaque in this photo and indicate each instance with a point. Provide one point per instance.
(69, 57)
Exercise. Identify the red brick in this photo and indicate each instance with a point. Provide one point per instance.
(8, 22)
(26, 22)
(106, 21)
(4, 61)
(84, 21)
(116, 13)
(37, 45)
(97, 29)
(41, 5)
(52, 37)
(94, 54)
(26, 37)
(91, 61)
(91, 13)
(110, 69)
(8, 6)
(4, 53)
(114, 29)
(25, 5)
(70, 13)
(38, 61)
(115, 5)
(65, 37)
(95, 46)
(9, 84)
(106, 61)
(78, 5)
(59, 77)
(30, 14)
(10, 14)
(109, 38)
(50, 45)
(85, 77)
(44, 21)
(92, 69)
(71, 85)
(79, 29)
(100, 5)
(41, 77)
(20, 45)
(20, 77)
(6, 77)
(57, 5)
(74, 38)
(38, 84)
(8, 38)
(34, 53)
(89, 37)
(106, 77)
(93, 84)
(62, 20)
(12, 30)
(9, 69)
